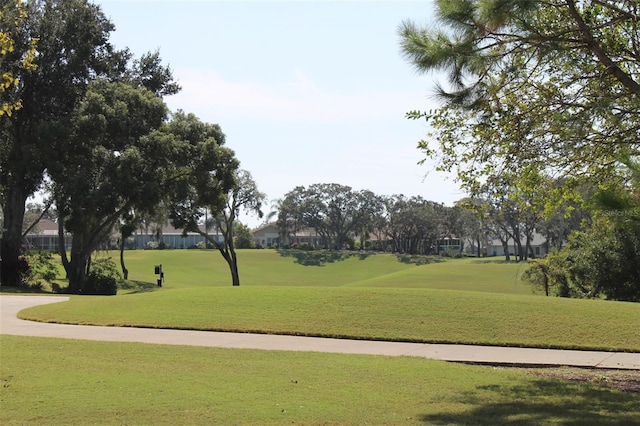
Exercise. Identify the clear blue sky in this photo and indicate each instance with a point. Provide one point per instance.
(305, 91)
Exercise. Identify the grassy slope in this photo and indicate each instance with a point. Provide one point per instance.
(377, 296)
(196, 268)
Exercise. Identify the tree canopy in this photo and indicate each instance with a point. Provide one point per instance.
(72, 49)
(547, 86)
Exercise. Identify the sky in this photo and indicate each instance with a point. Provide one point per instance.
(306, 92)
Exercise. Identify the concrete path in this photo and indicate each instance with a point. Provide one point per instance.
(10, 324)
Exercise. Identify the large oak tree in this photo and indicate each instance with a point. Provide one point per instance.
(72, 49)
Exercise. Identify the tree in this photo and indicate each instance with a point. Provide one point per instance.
(210, 186)
(72, 49)
(243, 238)
(472, 223)
(334, 211)
(243, 194)
(119, 163)
(370, 213)
(295, 211)
(551, 86)
(415, 224)
(601, 259)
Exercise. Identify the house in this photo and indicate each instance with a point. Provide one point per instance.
(169, 237)
(538, 244)
(44, 236)
(267, 236)
(449, 246)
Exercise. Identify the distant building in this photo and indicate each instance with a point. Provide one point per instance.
(449, 246)
(267, 236)
(44, 236)
(169, 237)
(538, 243)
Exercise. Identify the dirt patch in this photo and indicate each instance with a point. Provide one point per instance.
(624, 380)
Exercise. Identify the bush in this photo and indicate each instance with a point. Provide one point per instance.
(36, 269)
(103, 278)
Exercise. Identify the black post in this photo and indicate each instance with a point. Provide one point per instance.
(158, 271)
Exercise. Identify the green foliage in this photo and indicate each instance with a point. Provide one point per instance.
(103, 278)
(72, 48)
(601, 261)
(243, 238)
(37, 269)
(534, 85)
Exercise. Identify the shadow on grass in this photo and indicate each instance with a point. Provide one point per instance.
(417, 259)
(543, 402)
(133, 287)
(496, 261)
(321, 257)
(19, 290)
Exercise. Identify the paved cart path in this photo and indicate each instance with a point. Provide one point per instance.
(10, 324)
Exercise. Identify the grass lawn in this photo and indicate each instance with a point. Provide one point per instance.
(60, 382)
(199, 268)
(378, 296)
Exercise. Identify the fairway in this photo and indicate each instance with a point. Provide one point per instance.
(200, 268)
(356, 295)
(353, 295)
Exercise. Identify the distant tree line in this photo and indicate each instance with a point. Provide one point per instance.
(342, 217)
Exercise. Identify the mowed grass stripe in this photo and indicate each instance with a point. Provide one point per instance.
(200, 268)
(59, 381)
(399, 314)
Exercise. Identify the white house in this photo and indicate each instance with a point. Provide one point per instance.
(538, 245)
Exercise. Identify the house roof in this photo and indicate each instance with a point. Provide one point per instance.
(263, 227)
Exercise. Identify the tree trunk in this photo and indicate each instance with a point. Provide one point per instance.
(505, 248)
(12, 237)
(77, 273)
(229, 255)
(62, 249)
(235, 276)
(80, 256)
(125, 271)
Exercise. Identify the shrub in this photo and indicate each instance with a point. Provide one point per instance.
(36, 269)
(103, 278)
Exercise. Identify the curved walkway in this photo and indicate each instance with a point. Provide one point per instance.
(10, 324)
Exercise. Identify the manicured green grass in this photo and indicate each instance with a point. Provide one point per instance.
(57, 381)
(368, 296)
(199, 268)
(422, 315)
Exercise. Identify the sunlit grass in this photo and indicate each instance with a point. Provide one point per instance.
(57, 381)
(199, 268)
(407, 314)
